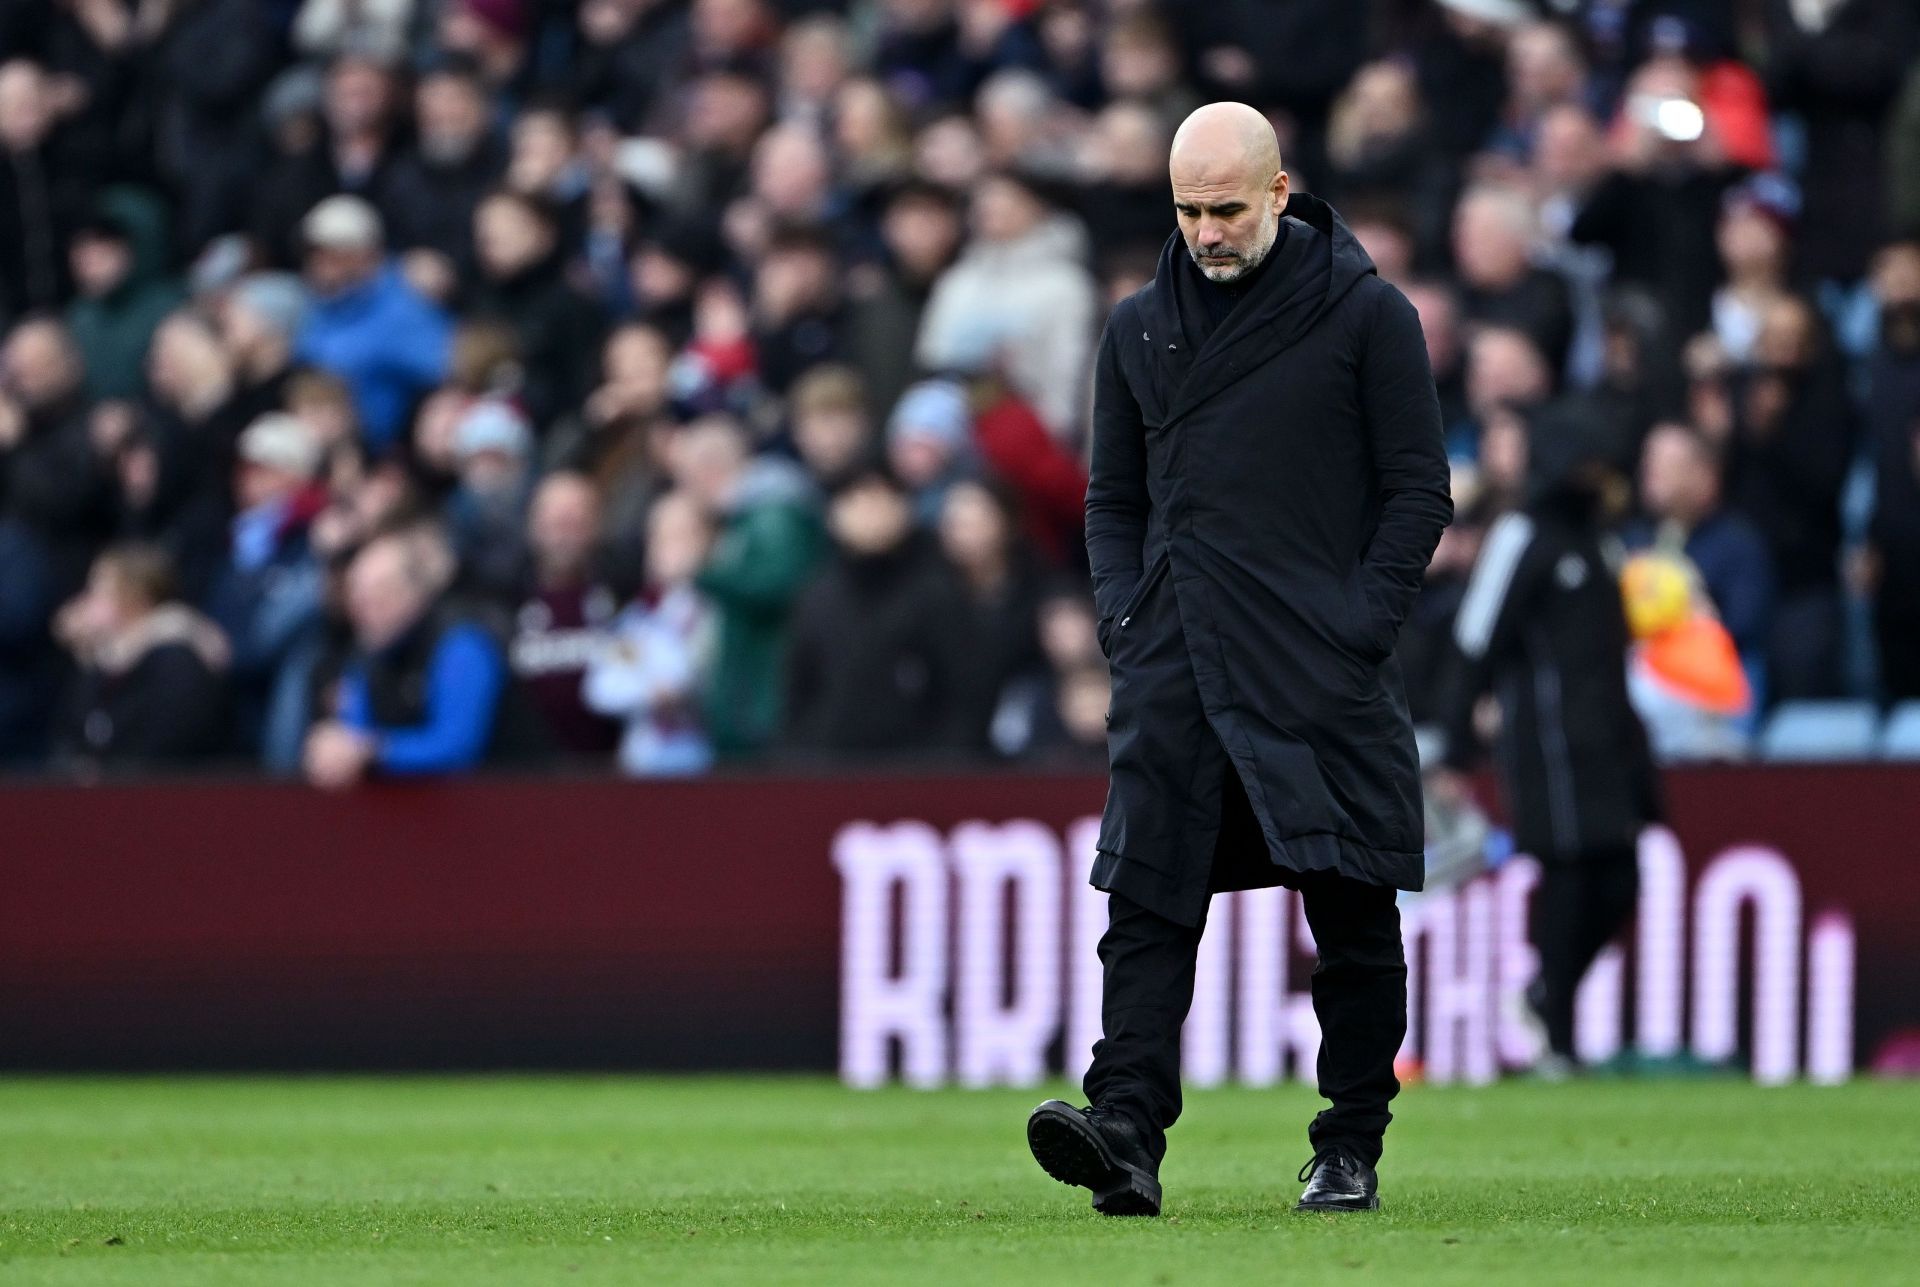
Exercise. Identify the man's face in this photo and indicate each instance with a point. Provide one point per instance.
(922, 234)
(452, 117)
(39, 366)
(508, 238)
(384, 597)
(333, 269)
(870, 518)
(1228, 216)
(25, 113)
(99, 263)
(1004, 211)
(564, 522)
(358, 97)
(1672, 475)
(255, 484)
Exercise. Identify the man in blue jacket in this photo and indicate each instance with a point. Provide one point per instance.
(423, 691)
(368, 325)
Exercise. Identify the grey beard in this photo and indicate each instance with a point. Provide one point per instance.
(1223, 274)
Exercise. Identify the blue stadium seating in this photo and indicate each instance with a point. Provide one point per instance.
(1900, 739)
(1841, 730)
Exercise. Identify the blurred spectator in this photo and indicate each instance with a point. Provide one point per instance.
(260, 319)
(1378, 151)
(355, 153)
(486, 514)
(1493, 234)
(999, 599)
(1793, 439)
(880, 661)
(1048, 719)
(367, 324)
(1681, 490)
(648, 673)
(119, 256)
(455, 158)
(524, 285)
(622, 443)
(921, 230)
(425, 686)
(1020, 298)
(1124, 198)
(1754, 234)
(1505, 371)
(767, 543)
(565, 619)
(41, 193)
(797, 312)
(1838, 65)
(148, 688)
(930, 444)
(1439, 310)
(267, 595)
(1657, 207)
(832, 430)
(208, 61)
(1048, 481)
(54, 478)
(1889, 570)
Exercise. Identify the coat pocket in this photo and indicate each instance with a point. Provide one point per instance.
(1112, 626)
(1364, 635)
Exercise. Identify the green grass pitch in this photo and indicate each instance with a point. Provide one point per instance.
(474, 1181)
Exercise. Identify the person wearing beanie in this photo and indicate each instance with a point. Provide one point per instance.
(118, 256)
(260, 318)
(930, 443)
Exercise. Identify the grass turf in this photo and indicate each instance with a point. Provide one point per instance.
(478, 1181)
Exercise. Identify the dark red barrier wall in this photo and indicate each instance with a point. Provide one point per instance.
(616, 924)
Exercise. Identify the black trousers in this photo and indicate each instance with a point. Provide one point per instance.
(1582, 901)
(1359, 996)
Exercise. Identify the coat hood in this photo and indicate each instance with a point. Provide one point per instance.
(1316, 264)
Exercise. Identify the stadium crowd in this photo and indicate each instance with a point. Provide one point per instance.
(397, 386)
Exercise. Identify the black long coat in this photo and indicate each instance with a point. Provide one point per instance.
(1259, 517)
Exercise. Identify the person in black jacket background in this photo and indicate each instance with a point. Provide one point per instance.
(1543, 627)
(877, 660)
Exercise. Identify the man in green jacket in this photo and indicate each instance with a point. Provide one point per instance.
(769, 540)
(119, 259)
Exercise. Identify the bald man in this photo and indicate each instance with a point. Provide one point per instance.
(1268, 483)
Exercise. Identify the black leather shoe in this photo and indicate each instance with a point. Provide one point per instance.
(1096, 1150)
(1338, 1181)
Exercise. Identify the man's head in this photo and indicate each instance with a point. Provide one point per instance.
(101, 255)
(261, 318)
(1493, 236)
(870, 513)
(929, 430)
(1125, 144)
(512, 232)
(709, 458)
(345, 244)
(450, 109)
(1229, 189)
(1505, 369)
(276, 456)
(831, 428)
(1679, 474)
(792, 172)
(359, 96)
(1439, 311)
(40, 365)
(26, 106)
(679, 538)
(563, 525)
(187, 365)
(922, 230)
(1006, 208)
(390, 586)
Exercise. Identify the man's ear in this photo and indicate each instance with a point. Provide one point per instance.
(1280, 191)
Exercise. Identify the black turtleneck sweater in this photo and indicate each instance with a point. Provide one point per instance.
(1218, 299)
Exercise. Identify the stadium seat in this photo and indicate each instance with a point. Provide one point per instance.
(1820, 731)
(1900, 739)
